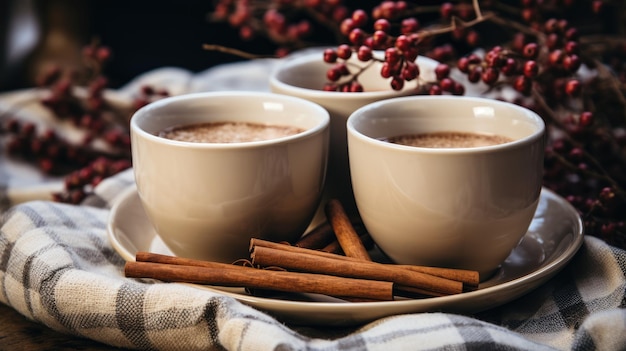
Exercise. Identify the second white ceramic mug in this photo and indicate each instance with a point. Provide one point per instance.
(457, 207)
(304, 75)
(206, 200)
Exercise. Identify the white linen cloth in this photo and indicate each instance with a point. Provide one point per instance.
(58, 268)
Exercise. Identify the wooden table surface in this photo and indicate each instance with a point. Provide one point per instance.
(18, 333)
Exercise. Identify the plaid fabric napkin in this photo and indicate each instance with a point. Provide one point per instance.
(58, 268)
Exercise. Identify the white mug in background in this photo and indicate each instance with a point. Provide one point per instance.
(450, 207)
(206, 200)
(304, 76)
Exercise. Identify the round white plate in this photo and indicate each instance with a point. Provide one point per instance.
(554, 236)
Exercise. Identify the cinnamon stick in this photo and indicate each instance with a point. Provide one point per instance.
(469, 278)
(238, 276)
(317, 238)
(335, 248)
(344, 231)
(265, 256)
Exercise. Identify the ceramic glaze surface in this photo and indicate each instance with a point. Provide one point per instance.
(207, 200)
(458, 207)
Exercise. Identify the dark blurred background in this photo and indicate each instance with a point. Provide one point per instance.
(142, 35)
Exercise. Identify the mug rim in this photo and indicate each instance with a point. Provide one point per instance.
(532, 116)
(316, 57)
(322, 120)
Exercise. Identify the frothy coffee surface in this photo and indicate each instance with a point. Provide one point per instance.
(228, 132)
(448, 140)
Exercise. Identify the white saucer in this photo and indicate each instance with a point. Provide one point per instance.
(555, 234)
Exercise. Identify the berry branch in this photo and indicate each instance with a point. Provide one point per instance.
(76, 98)
(564, 59)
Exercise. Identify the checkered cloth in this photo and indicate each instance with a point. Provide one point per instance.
(58, 268)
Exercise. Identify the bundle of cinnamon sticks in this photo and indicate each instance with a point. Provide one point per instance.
(305, 268)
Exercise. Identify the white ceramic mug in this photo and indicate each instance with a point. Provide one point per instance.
(455, 207)
(206, 200)
(304, 76)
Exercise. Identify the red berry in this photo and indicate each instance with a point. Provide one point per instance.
(392, 56)
(329, 87)
(573, 87)
(585, 119)
(397, 83)
(474, 74)
(442, 71)
(529, 14)
(411, 54)
(360, 18)
(531, 50)
(403, 43)
(531, 69)
(346, 27)
(597, 6)
(356, 87)
(555, 57)
(357, 36)
(330, 56)
(382, 24)
(333, 74)
(571, 62)
(551, 25)
(27, 130)
(447, 84)
(446, 10)
(472, 38)
(576, 153)
(523, 85)
(379, 38)
(510, 67)
(46, 165)
(571, 34)
(364, 53)
(459, 89)
(386, 70)
(571, 47)
(463, 64)
(409, 25)
(388, 9)
(490, 76)
(435, 90)
(344, 51)
(342, 68)
(410, 71)
(339, 13)
(494, 59)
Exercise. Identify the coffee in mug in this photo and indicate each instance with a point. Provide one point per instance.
(228, 132)
(448, 139)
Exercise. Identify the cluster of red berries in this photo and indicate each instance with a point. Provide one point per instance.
(81, 182)
(51, 153)
(77, 97)
(531, 47)
(288, 23)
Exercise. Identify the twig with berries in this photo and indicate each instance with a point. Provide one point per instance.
(550, 56)
(77, 97)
